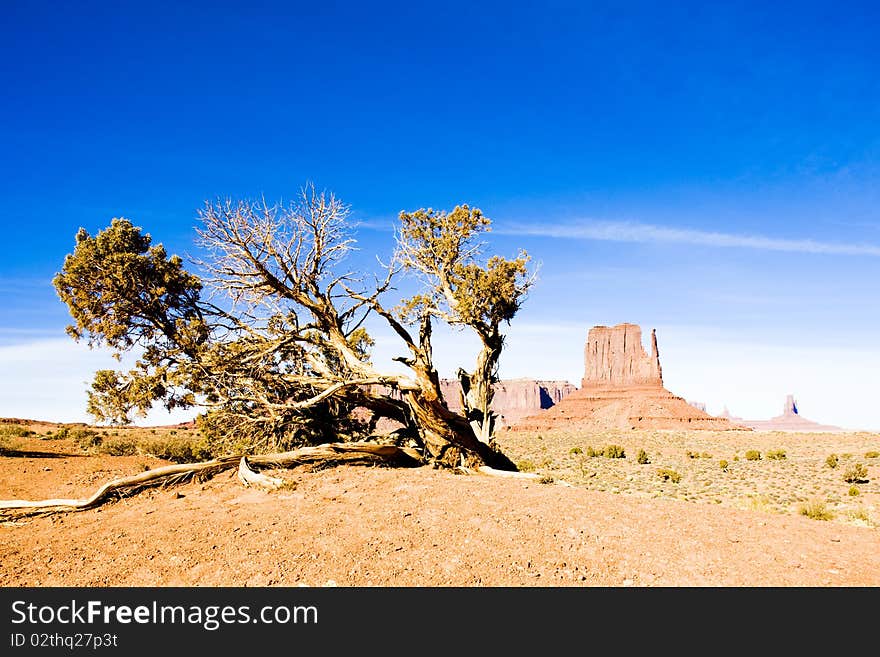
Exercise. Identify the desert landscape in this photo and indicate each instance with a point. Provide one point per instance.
(551, 295)
(608, 504)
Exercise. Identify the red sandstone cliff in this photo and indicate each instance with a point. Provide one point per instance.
(622, 388)
(514, 398)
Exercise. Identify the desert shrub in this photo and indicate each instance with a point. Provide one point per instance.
(642, 457)
(592, 452)
(872, 455)
(855, 474)
(691, 455)
(723, 464)
(736, 457)
(832, 461)
(575, 450)
(816, 510)
(9, 444)
(614, 452)
(181, 449)
(668, 475)
(546, 462)
(15, 431)
(84, 437)
(776, 454)
(118, 447)
(854, 491)
(525, 466)
(546, 479)
(860, 514)
(753, 455)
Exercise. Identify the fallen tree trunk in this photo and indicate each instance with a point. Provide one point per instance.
(329, 454)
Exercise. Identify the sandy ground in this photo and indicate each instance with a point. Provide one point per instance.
(375, 526)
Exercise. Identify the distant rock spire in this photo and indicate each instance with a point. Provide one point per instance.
(790, 406)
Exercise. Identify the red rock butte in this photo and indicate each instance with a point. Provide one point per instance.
(622, 388)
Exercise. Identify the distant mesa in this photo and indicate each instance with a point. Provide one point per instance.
(513, 398)
(790, 420)
(622, 388)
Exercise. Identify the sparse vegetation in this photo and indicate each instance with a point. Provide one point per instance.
(642, 457)
(860, 515)
(816, 510)
(575, 450)
(669, 475)
(753, 455)
(546, 479)
(872, 454)
(832, 461)
(609, 451)
(856, 474)
(83, 437)
(854, 491)
(776, 454)
(126, 446)
(723, 464)
(525, 466)
(15, 431)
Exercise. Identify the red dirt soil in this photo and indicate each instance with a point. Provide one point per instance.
(374, 526)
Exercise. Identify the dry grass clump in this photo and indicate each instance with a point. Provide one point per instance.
(856, 474)
(753, 455)
(667, 474)
(816, 510)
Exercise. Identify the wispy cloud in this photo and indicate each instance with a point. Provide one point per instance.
(626, 231)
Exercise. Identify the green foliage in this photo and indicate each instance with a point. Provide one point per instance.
(123, 291)
(854, 491)
(776, 454)
(816, 510)
(832, 461)
(723, 464)
(753, 455)
(441, 246)
(642, 457)
(668, 475)
(856, 474)
(614, 452)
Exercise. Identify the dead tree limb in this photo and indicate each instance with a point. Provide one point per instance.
(328, 454)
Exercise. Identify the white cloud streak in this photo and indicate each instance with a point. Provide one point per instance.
(626, 231)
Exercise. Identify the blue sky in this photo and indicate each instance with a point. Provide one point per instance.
(708, 171)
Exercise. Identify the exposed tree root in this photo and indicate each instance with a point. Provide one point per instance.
(332, 453)
(495, 472)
